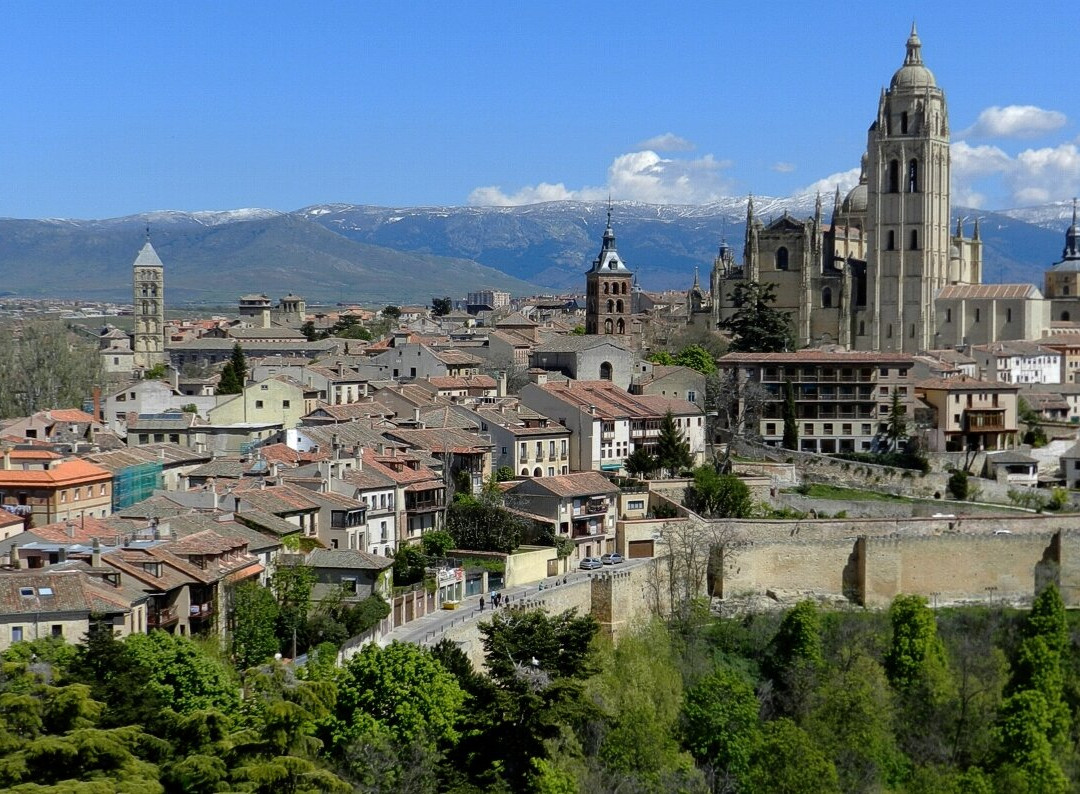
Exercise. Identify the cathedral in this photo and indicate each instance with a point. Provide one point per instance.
(867, 277)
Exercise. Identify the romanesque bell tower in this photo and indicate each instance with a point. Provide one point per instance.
(149, 313)
(608, 290)
(908, 234)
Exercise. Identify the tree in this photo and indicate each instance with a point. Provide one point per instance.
(234, 373)
(401, 689)
(577, 330)
(715, 495)
(409, 565)
(672, 448)
(661, 357)
(738, 405)
(755, 326)
(697, 358)
(915, 655)
(44, 366)
(391, 312)
(483, 524)
(640, 463)
(182, 674)
(720, 721)
(254, 624)
(309, 332)
(504, 474)
(787, 761)
(958, 484)
(156, 372)
(440, 307)
(693, 558)
(791, 420)
(896, 428)
(437, 542)
(292, 586)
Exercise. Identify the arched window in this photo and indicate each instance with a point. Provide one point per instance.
(903, 123)
(607, 326)
(1065, 317)
(618, 306)
(913, 177)
(894, 176)
(605, 370)
(605, 288)
(524, 472)
(538, 472)
(624, 288)
(914, 240)
(620, 326)
(890, 241)
(826, 298)
(610, 306)
(781, 258)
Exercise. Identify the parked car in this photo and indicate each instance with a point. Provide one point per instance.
(590, 564)
(611, 559)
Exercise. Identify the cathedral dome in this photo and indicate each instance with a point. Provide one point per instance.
(856, 200)
(913, 74)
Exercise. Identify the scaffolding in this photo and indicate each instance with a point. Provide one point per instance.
(133, 484)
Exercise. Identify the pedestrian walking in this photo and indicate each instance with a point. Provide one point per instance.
(481, 603)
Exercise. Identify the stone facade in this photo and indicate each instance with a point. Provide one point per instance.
(149, 311)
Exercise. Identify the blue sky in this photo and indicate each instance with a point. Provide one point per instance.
(110, 109)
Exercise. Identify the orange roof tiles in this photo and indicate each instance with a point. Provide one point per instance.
(61, 475)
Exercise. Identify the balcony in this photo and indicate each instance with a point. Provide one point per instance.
(593, 506)
(583, 530)
(424, 506)
(155, 619)
(984, 421)
(201, 611)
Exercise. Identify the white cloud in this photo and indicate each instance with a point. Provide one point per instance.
(846, 180)
(1033, 176)
(668, 142)
(783, 168)
(635, 176)
(1014, 121)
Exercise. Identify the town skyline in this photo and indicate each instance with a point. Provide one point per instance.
(135, 110)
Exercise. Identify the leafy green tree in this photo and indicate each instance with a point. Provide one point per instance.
(559, 644)
(156, 372)
(504, 474)
(578, 330)
(391, 312)
(182, 674)
(958, 484)
(409, 565)
(1023, 748)
(787, 761)
(791, 419)
(292, 585)
(896, 428)
(437, 542)
(440, 307)
(117, 677)
(401, 689)
(916, 655)
(755, 326)
(716, 495)
(672, 448)
(662, 357)
(484, 524)
(640, 463)
(698, 358)
(309, 331)
(44, 367)
(720, 721)
(254, 624)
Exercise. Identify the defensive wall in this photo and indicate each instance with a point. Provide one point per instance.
(618, 599)
(870, 561)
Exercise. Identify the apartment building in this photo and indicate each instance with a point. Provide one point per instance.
(842, 398)
(970, 414)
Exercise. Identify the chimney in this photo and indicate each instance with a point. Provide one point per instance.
(154, 528)
(416, 416)
(380, 449)
(62, 554)
(215, 500)
(16, 560)
(335, 445)
(359, 454)
(501, 389)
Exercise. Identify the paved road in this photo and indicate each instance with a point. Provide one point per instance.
(429, 629)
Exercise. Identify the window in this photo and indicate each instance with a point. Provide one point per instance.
(827, 429)
(264, 387)
(948, 315)
(914, 242)
(174, 438)
(903, 123)
(562, 448)
(620, 326)
(551, 449)
(862, 328)
(845, 429)
(1008, 315)
(866, 430)
(608, 326)
(781, 258)
(691, 396)
(605, 288)
(57, 630)
(504, 450)
(348, 584)
(605, 370)
(619, 306)
(286, 404)
(16, 633)
(26, 591)
(144, 438)
(551, 471)
(770, 429)
(913, 177)
(826, 298)
(539, 450)
(611, 307)
(890, 241)
(159, 438)
(63, 497)
(808, 429)
(636, 504)
(258, 403)
(412, 372)
(102, 491)
(978, 314)
(894, 176)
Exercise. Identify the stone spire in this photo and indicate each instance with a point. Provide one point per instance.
(1072, 238)
(914, 48)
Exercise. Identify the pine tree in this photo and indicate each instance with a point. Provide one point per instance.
(672, 448)
(791, 421)
(897, 427)
(755, 326)
(239, 364)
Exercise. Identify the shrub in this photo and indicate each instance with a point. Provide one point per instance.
(958, 484)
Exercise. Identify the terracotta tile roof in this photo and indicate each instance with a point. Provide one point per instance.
(368, 478)
(163, 453)
(1016, 348)
(349, 411)
(442, 440)
(47, 592)
(583, 483)
(82, 531)
(461, 382)
(612, 402)
(72, 415)
(457, 358)
(34, 454)
(282, 453)
(60, 475)
(278, 499)
(260, 520)
(661, 405)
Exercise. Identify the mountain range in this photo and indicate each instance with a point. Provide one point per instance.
(378, 255)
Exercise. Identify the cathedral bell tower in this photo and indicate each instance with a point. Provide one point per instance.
(149, 310)
(908, 234)
(608, 290)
